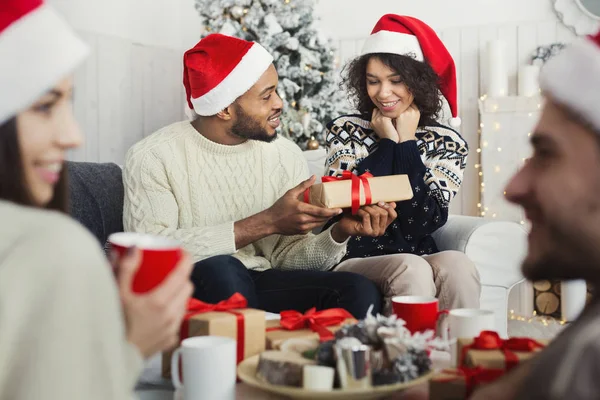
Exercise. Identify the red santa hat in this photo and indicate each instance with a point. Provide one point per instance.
(37, 50)
(399, 34)
(219, 69)
(572, 78)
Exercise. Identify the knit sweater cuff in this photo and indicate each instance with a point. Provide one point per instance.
(329, 245)
(223, 239)
(408, 156)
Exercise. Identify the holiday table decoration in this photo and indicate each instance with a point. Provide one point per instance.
(372, 357)
(228, 318)
(313, 324)
(489, 351)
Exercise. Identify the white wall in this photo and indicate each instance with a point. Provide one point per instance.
(171, 24)
(174, 23)
(351, 18)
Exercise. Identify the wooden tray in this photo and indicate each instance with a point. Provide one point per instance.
(247, 373)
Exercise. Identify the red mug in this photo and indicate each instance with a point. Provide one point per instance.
(159, 256)
(419, 312)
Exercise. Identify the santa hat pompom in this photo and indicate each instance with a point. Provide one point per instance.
(455, 122)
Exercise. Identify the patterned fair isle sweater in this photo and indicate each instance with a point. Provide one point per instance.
(181, 185)
(434, 164)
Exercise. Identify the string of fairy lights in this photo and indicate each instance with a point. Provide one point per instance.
(485, 132)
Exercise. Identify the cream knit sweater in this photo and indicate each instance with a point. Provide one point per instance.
(62, 332)
(182, 185)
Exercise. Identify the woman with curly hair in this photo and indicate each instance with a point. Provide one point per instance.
(396, 85)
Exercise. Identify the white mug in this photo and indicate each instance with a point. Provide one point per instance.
(465, 323)
(209, 368)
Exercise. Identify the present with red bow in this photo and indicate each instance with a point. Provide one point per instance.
(228, 318)
(459, 383)
(489, 351)
(313, 324)
(352, 191)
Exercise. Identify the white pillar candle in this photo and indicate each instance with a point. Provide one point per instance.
(572, 299)
(529, 80)
(317, 377)
(496, 68)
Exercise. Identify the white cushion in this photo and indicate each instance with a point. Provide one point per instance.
(316, 162)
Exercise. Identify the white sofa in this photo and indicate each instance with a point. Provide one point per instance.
(496, 247)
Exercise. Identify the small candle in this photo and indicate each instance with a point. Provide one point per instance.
(496, 68)
(572, 298)
(529, 80)
(317, 377)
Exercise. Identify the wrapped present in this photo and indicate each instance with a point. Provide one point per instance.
(313, 324)
(352, 191)
(228, 318)
(488, 350)
(459, 384)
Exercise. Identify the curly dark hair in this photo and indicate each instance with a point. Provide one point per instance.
(420, 79)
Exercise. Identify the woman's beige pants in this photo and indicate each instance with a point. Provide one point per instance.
(449, 275)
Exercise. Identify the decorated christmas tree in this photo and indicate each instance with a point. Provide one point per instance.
(304, 58)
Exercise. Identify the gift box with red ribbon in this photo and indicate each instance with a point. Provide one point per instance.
(489, 351)
(352, 191)
(313, 324)
(228, 318)
(459, 383)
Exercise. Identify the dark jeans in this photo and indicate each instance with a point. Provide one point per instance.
(217, 278)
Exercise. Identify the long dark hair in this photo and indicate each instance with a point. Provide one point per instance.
(13, 186)
(420, 79)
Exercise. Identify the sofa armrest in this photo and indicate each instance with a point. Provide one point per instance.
(496, 247)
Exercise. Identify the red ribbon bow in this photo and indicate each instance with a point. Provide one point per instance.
(473, 376)
(356, 180)
(489, 340)
(196, 307)
(313, 319)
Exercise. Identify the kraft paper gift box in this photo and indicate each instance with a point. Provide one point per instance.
(338, 193)
(276, 335)
(224, 323)
(496, 358)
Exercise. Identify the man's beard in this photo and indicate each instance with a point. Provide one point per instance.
(247, 128)
(574, 255)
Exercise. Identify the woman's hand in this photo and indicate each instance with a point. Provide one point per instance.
(153, 319)
(383, 126)
(407, 123)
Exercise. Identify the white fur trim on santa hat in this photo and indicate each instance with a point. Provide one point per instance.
(393, 42)
(455, 122)
(572, 79)
(36, 52)
(248, 71)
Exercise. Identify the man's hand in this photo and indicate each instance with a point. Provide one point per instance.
(407, 123)
(290, 216)
(370, 220)
(383, 126)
